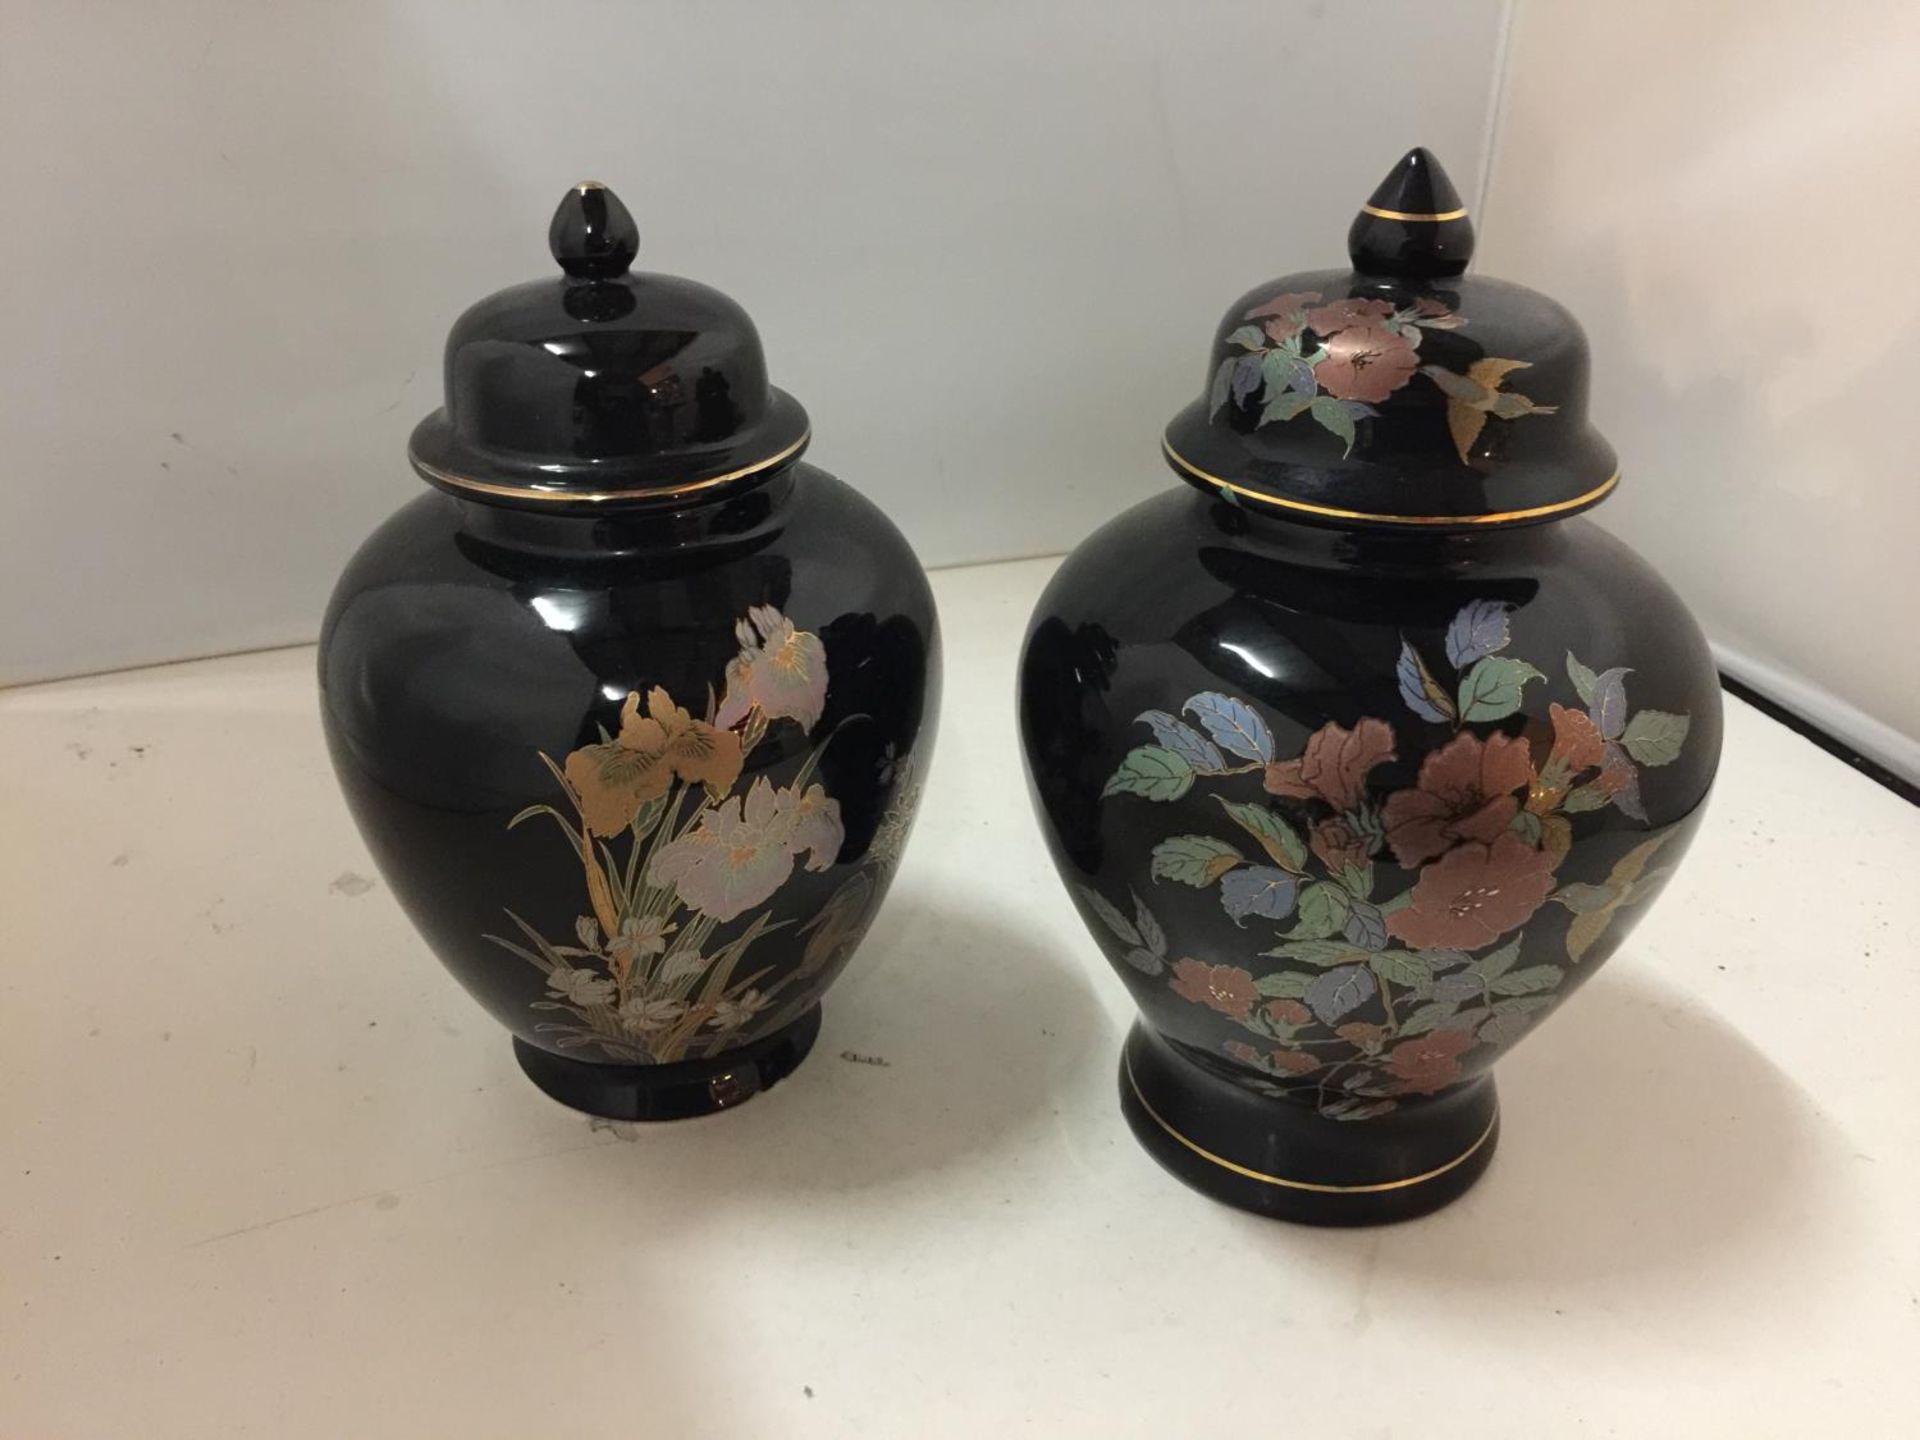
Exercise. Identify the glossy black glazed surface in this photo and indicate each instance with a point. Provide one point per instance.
(1351, 808)
(465, 640)
(638, 764)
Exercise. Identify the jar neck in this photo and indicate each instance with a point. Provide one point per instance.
(1387, 551)
(742, 517)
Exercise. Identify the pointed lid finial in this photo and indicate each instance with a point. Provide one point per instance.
(593, 235)
(1415, 226)
(605, 386)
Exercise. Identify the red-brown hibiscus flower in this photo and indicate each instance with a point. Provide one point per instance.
(1474, 894)
(1288, 1012)
(1285, 315)
(1429, 1062)
(1334, 764)
(1366, 362)
(1338, 844)
(1226, 988)
(1576, 739)
(1294, 1062)
(1465, 792)
(1338, 315)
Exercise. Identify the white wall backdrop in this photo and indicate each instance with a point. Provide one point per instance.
(1724, 193)
(984, 243)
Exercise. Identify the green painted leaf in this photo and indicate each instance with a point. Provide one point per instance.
(1584, 798)
(1323, 909)
(1503, 1029)
(1524, 1005)
(1428, 1017)
(1654, 737)
(1248, 337)
(1582, 679)
(1321, 953)
(1283, 985)
(1334, 416)
(1527, 826)
(1491, 690)
(1496, 963)
(1401, 967)
(1276, 837)
(1196, 860)
(1284, 406)
(1457, 386)
(1152, 771)
(1358, 879)
(1398, 902)
(1583, 899)
(1529, 981)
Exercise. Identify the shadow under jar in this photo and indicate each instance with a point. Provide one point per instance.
(632, 707)
(1362, 753)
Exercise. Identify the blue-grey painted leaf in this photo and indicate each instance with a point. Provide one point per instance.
(1233, 724)
(1300, 378)
(1185, 741)
(1247, 378)
(1338, 993)
(1222, 385)
(1608, 704)
(1458, 987)
(1366, 926)
(1627, 798)
(1477, 631)
(1151, 935)
(1257, 890)
(1417, 687)
(1110, 916)
(1353, 1107)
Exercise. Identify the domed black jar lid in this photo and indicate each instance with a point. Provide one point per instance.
(1402, 392)
(603, 384)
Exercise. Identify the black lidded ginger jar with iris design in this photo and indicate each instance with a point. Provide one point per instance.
(631, 705)
(1360, 752)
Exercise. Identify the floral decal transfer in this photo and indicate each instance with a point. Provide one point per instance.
(1369, 996)
(672, 849)
(1335, 360)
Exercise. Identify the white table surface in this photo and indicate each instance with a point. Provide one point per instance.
(268, 1171)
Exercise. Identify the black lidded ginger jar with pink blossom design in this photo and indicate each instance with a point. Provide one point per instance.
(1360, 752)
(631, 706)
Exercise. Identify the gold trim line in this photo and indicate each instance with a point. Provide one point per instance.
(1459, 214)
(594, 497)
(1226, 1164)
(1500, 517)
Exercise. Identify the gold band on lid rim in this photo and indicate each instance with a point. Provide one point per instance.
(1459, 214)
(597, 497)
(1225, 1164)
(1500, 517)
